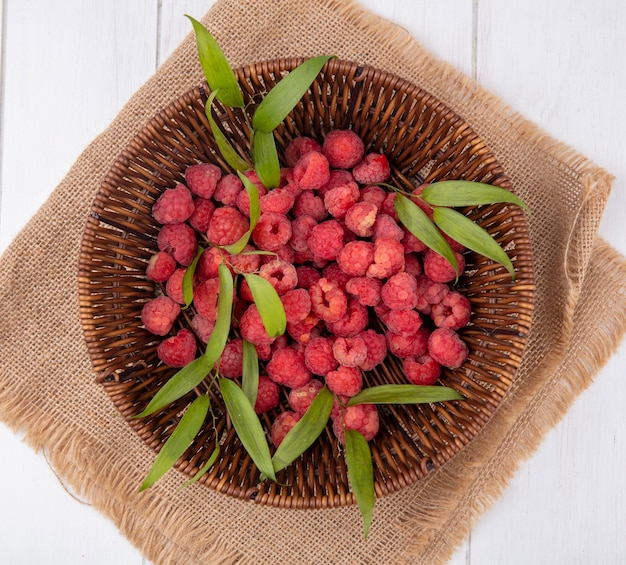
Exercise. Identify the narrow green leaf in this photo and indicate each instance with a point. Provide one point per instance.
(181, 438)
(286, 94)
(255, 214)
(220, 332)
(421, 226)
(217, 69)
(361, 475)
(265, 159)
(404, 394)
(248, 426)
(268, 303)
(236, 161)
(250, 374)
(179, 385)
(188, 279)
(454, 193)
(462, 229)
(204, 467)
(306, 430)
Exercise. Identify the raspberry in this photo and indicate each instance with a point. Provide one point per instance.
(403, 322)
(455, 245)
(382, 311)
(287, 368)
(340, 199)
(319, 357)
(412, 264)
(285, 253)
(272, 231)
(208, 263)
(386, 226)
(231, 360)
(280, 274)
(227, 225)
(356, 257)
(160, 267)
(422, 370)
(326, 240)
(174, 206)
(178, 240)
(372, 169)
(365, 289)
(311, 171)
(158, 315)
(338, 177)
(243, 200)
(307, 276)
(288, 182)
(174, 286)
(400, 292)
(205, 298)
(300, 398)
(438, 269)
(363, 418)
(203, 327)
(339, 406)
(304, 331)
(282, 425)
(298, 147)
(202, 179)
(252, 328)
(278, 201)
(345, 381)
(428, 210)
(228, 189)
(376, 345)
(388, 258)
(452, 312)
(408, 346)
(429, 293)
(310, 204)
(447, 348)
(301, 229)
(178, 350)
(202, 214)
(361, 217)
(328, 300)
(333, 272)
(350, 351)
(412, 244)
(267, 396)
(297, 304)
(246, 262)
(343, 149)
(374, 194)
(388, 206)
(355, 320)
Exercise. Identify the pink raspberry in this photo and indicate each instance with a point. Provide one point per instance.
(403, 322)
(350, 351)
(447, 348)
(376, 345)
(287, 368)
(333, 272)
(311, 171)
(159, 314)
(208, 263)
(310, 204)
(268, 395)
(252, 328)
(205, 298)
(400, 292)
(307, 275)
(422, 370)
(284, 253)
(408, 346)
(280, 274)
(231, 360)
(382, 311)
(298, 147)
(179, 240)
(412, 244)
(328, 300)
(300, 398)
(360, 218)
(246, 262)
(388, 258)
(386, 226)
(227, 226)
(228, 189)
(340, 199)
(319, 357)
(174, 206)
(427, 208)
(374, 194)
(453, 312)
(412, 264)
(202, 214)
(388, 206)
(289, 183)
(243, 200)
(301, 229)
(264, 351)
(297, 304)
(355, 320)
(365, 289)
(202, 179)
(253, 177)
(272, 231)
(429, 293)
(178, 350)
(338, 177)
(174, 286)
(339, 407)
(304, 331)
(356, 257)
(363, 418)
(372, 169)
(326, 240)
(160, 267)
(343, 149)
(438, 269)
(203, 327)
(345, 381)
(277, 201)
(282, 425)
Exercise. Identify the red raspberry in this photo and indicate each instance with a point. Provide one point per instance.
(268, 395)
(174, 206)
(243, 200)
(202, 179)
(264, 351)
(345, 381)
(298, 147)
(338, 177)
(340, 199)
(310, 204)
(388, 258)
(174, 286)
(360, 218)
(307, 276)
(231, 360)
(158, 315)
(400, 292)
(289, 183)
(333, 272)
(408, 346)
(252, 328)
(319, 357)
(311, 171)
(422, 370)
(350, 351)
(203, 327)
(412, 264)
(328, 300)
(272, 231)
(301, 229)
(365, 289)
(178, 240)
(278, 201)
(280, 274)
(205, 298)
(228, 189)
(363, 418)
(388, 206)
(453, 312)
(208, 263)
(374, 194)
(428, 210)
(376, 345)
(355, 320)
(287, 368)
(326, 240)
(160, 267)
(246, 262)
(429, 293)
(285, 253)
(356, 257)
(447, 348)
(343, 149)
(300, 398)
(438, 269)
(412, 244)
(403, 322)
(282, 425)
(382, 311)
(227, 225)
(253, 177)
(178, 350)
(386, 226)
(202, 214)
(297, 304)
(304, 331)
(372, 169)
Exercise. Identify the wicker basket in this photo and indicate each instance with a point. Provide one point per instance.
(424, 141)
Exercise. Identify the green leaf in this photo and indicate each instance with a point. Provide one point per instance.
(306, 430)
(404, 394)
(421, 226)
(266, 159)
(247, 425)
(219, 335)
(188, 279)
(236, 161)
(454, 193)
(179, 385)
(466, 232)
(217, 69)
(180, 440)
(255, 214)
(268, 304)
(204, 467)
(286, 94)
(361, 475)
(250, 373)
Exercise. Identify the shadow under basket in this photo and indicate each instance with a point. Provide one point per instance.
(425, 142)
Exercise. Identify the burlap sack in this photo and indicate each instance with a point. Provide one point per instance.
(47, 387)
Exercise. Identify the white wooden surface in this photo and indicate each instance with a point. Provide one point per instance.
(69, 65)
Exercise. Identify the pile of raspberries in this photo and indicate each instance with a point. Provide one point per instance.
(338, 253)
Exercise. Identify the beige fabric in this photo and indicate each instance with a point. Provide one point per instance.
(47, 388)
